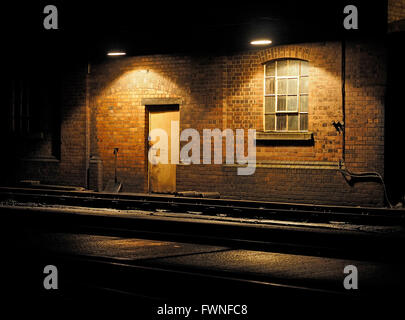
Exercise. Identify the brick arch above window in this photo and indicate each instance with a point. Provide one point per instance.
(302, 52)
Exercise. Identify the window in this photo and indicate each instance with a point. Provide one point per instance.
(23, 117)
(286, 95)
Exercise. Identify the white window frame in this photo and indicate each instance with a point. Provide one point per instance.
(276, 95)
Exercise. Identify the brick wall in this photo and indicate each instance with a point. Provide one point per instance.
(396, 10)
(365, 90)
(227, 92)
(119, 119)
(67, 166)
(73, 129)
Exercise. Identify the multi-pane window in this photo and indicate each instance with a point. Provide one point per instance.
(286, 95)
(24, 100)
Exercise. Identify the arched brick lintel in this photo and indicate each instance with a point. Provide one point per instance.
(302, 52)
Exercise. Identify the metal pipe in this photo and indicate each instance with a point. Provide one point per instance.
(343, 73)
(365, 175)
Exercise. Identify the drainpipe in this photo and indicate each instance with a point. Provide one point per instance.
(87, 128)
(343, 73)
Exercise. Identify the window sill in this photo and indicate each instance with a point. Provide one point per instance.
(283, 136)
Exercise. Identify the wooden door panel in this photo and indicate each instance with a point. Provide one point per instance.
(162, 177)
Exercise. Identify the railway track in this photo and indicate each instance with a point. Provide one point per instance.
(286, 239)
(146, 286)
(234, 208)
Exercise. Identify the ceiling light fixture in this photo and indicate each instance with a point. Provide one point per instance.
(262, 42)
(116, 53)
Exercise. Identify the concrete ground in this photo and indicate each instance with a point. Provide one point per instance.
(34, 236)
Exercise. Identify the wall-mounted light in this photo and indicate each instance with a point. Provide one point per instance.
(261, 42)
(116, 53)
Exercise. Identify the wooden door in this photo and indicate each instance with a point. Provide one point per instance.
(162, 177)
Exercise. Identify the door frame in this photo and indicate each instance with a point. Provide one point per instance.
(164, 104)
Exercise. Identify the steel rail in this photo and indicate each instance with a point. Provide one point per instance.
(238, 208)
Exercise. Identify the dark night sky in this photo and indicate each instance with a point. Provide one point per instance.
(89, 29)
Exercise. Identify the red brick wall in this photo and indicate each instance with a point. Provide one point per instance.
(365, 90)
(68, 166)
(119, 118)
(245, 95)
(73, 129)
(396, 10)
(365, 98)
(227, 92)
